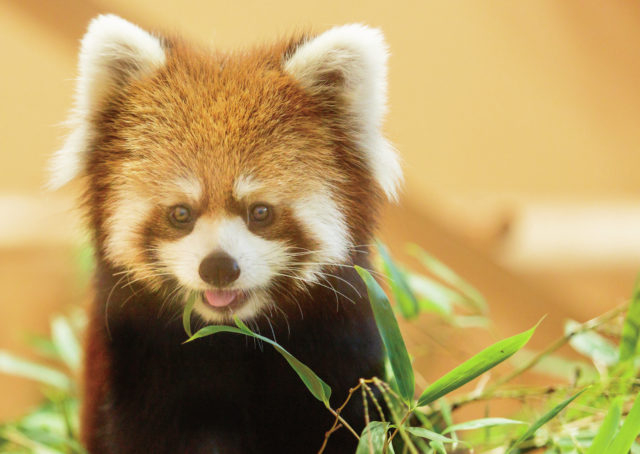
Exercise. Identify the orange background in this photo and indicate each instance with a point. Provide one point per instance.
(517, 123)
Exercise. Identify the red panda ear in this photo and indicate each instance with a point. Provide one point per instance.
(350, 62)
(113, 52)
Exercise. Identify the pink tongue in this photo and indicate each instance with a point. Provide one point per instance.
(220, 298)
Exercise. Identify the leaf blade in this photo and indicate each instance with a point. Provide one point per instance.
(544, 419)
(318, 388)
(391, 336)
(475, 366)
(13, 365)
(402, 292)
(607, 429)
(628, 432)
(481, 423)
(186, 315)
(373, 438)
(631, 326)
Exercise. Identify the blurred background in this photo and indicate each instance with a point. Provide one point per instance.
(517, 123)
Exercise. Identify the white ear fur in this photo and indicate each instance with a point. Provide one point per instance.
(358, 55)
(112, 52)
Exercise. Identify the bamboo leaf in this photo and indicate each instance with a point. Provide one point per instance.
(477, 365)
(65, 342)
(429, 434)
(315, 384)
(544, 419)
(607, 429)
(373, 438)
(391, 336)
(186, 314)
(628, 432)
(13, 365)
(447, 275)
(402, 293)
(592, 344)
(631, 327)
(480, 423)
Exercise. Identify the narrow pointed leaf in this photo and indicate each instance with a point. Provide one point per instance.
(316, 385)
(629, 431)
(402, 293)
(481, 423)
(477, 365)
(591, 344)
(391, 336)
(65, 342)
(447, 275)
(373, 438)
(631, 327)
(608, 429)
(186, 315)
(429, 434)
(12, 365)
(543, 420)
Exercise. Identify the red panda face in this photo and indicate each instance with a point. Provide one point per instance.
(240, 179)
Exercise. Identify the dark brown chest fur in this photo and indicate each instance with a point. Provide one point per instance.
(146, 391)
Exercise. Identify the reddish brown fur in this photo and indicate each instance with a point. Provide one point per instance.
(235, 111)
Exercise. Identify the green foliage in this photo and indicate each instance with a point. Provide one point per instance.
(391, 337)
(52, 427)
(629, 431)
(316, 386)
(608, 429)
(605, 418)
(631, 327)
(543, 420)
(477, 365)
(373, 438)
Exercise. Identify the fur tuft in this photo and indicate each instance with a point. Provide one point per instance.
(113, 52)
(352, 61)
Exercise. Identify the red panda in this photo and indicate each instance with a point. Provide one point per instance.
(252, 181)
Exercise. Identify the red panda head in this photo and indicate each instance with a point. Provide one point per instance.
(231, 176)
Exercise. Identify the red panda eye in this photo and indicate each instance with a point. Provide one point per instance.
(180, 215)
(260, 213)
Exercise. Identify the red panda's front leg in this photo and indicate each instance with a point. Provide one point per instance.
(95, 387)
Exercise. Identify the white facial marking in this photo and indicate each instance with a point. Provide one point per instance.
(360, 54)
(112, 52)
(129, 212)
(244, 186)
(260, 260)
(320, 215)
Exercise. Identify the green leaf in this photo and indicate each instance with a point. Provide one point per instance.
(477, 365)
(186, 314)
(373, 438)
(592, 344)
(12, 365)
(543, 420)
(607, 429)
(429, 434)
(315, 384)
(432, 296)
(628, 432)
(438, 447)
(391, 336)
(480, 423)
(447, 275)
(631, 327)
(402, 293)
(447, 416)
(65, 342)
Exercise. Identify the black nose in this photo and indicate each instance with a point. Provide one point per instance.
(219, 269)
